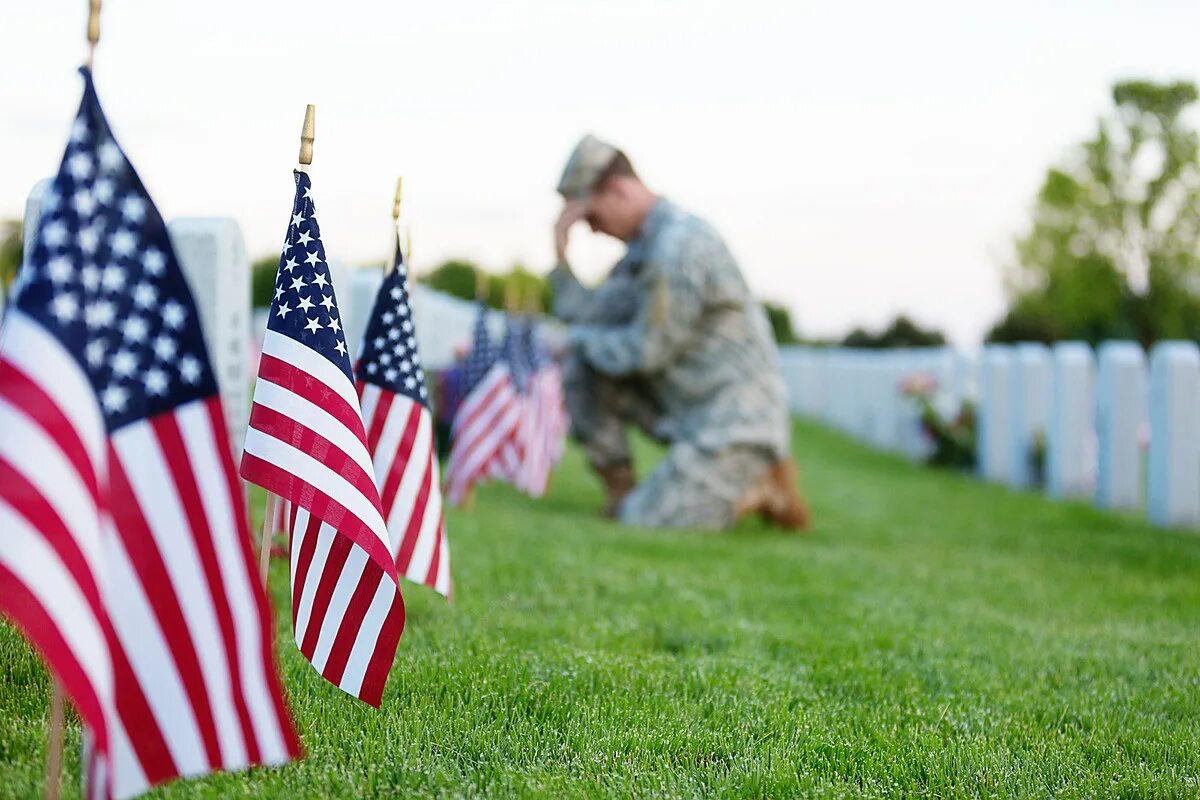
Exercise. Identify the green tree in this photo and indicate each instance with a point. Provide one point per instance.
(460, 278)
(455, 277)
(1113, 250)
(781, 323)
(11, 251)
(901, 332)
(262, 281)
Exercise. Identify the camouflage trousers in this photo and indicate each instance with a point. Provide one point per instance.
(690, 488)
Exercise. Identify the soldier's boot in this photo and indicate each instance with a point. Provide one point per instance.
(776, 498)
(618, 482)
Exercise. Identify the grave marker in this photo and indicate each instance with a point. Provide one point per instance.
(1120, 423)
(1173, 466)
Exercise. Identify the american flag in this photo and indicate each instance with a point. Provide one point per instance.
(400, 435)
(307, 444)
(507, 464)
(546, 419)
(486, 421)
(125, 552)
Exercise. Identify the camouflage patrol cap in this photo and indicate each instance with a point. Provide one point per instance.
(587, 163)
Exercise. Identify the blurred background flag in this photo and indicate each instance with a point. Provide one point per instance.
(400, 434)
(307, 444)
(125, 550)
(506, 466)
(546, 419)
(487, 419)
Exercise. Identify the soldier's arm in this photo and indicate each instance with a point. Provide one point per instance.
(669, 309)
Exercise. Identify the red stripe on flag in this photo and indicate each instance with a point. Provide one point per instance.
(25, 611)
(283, 483)
(28, 502)
(435, 561)
(28, 397)
(147, 562)
(216, 417)
(385, 653)
(378, 421)
(284, 428)
(403, 451)
(415, 520)
(301, 383)
(304, 560)
(352, 620)
(170, 440)
(335, 562)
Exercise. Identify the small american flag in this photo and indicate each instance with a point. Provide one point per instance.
(507, 464)
(125, 551)
(487, 420)
(307, 444)
(395, 404)
(546, 423)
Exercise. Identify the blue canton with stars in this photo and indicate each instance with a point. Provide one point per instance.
(104, 280)
(536, 354)
(389, 357)
(512, 353)
(304, 307)
(482, 354)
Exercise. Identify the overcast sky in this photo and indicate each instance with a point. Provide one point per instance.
(860, 158)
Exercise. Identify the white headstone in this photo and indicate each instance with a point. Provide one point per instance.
(33, 217)
(1031, 385)
(966, 378)
(1120, 423)
(1070, 432)
(1173, 466)
(213, 259)
(812, 386)
(364, 286)
(994, 437)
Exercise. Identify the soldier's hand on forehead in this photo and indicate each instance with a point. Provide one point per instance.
(573, 211)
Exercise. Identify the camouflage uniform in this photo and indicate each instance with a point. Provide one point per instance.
(673, 342)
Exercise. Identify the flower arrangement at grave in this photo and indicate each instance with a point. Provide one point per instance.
(951, 436)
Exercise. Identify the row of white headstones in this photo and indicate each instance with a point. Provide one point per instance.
(1117, 426)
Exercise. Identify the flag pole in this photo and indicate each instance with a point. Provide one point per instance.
(396, 223)
(93, 30)
(308, 132)
(54, 743)
(264, 546)
(54, 747)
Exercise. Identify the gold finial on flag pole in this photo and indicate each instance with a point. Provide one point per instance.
(93, 29)
(399, 195)
(307, 134)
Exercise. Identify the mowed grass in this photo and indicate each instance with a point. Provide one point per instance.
(933, 637)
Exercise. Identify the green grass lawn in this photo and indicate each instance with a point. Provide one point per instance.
(933, 637)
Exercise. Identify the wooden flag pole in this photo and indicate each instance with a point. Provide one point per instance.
(395, 224)
(54, 742)
(93, 30)
(264, 546)
(308, 133)
(54, 747)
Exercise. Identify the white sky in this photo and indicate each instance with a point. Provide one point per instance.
(860, 158)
